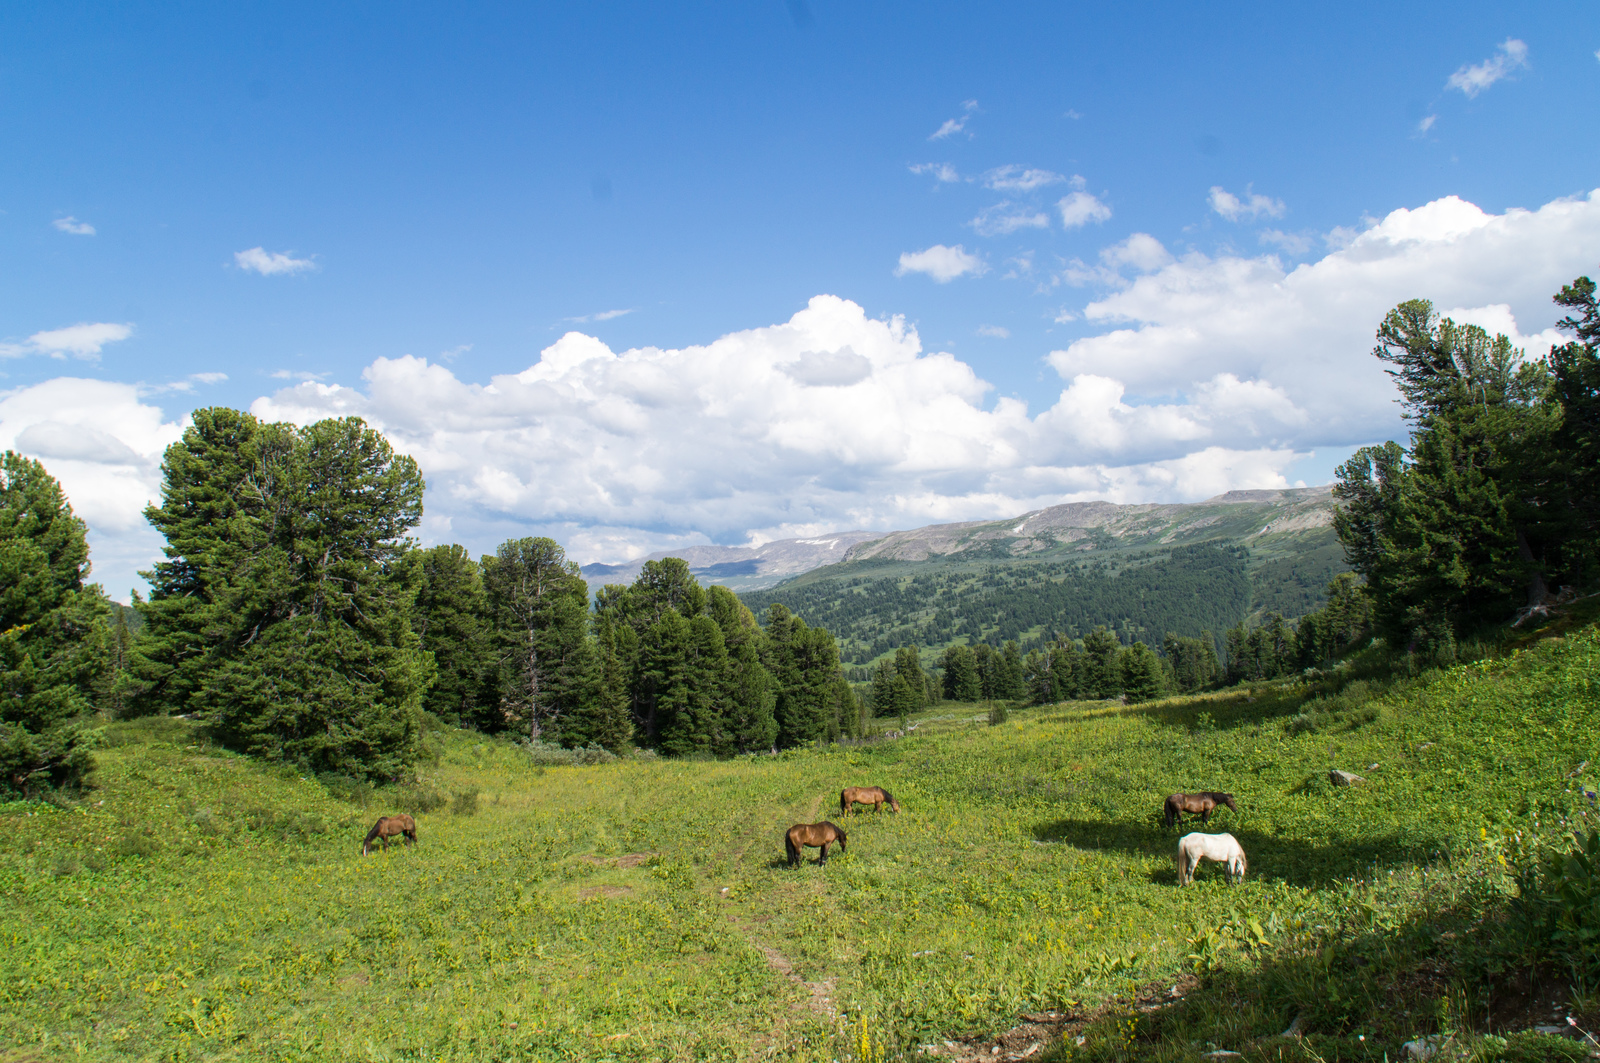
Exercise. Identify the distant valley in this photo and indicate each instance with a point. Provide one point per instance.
(1141, 570)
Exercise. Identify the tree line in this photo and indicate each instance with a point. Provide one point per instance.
(292, 614)
(1493, 509)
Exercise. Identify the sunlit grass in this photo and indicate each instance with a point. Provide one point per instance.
(199, 905)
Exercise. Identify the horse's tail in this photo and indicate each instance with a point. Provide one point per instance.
(791, 848)
(844, 805)
(1170, 811)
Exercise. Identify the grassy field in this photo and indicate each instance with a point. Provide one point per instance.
(197, 905)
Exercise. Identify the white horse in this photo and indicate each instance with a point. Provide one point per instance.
(1223, 848)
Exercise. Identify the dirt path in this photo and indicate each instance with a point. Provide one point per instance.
(818, 1000)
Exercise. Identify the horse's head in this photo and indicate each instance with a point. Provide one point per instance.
(894, 805)
(842, 839)
(1227, 799)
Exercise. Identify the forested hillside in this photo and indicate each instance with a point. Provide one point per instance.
(1139, 596)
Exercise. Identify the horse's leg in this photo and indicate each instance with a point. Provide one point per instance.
(823, 859)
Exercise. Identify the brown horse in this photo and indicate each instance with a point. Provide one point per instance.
(1196, 804)
(813, 836)
(876, 796)
(388, 827)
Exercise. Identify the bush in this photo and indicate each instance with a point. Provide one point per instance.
(465, 803)
(998, 714)
(420, 798)
(546, 754)
(1563, 907)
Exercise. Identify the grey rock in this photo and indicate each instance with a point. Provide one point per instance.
(1344, 778)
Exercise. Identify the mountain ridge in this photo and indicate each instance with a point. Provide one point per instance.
(1062, 529)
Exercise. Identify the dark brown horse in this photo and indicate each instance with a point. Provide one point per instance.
(812, 836)
(388, 827)
(876, 796)
(1196, 804)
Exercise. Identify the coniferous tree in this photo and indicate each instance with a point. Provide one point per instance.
(883, 700)
(602, 717)
(1143, 678)
(1575, 375)
(1102, 678)
(539, 605)
(1469, 523)
(451, 622)
(1009, 680)
(750, 691)
(282, 611)
(961, 679)
(1069, 669)
(908, 666)
(52, 632)
(1192, 662)
(804, 661)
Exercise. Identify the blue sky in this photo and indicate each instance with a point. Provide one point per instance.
(270, 206)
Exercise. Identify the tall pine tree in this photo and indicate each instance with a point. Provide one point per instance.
(282, 611)
(52, 632)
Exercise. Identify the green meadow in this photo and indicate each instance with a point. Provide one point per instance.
(198, 905)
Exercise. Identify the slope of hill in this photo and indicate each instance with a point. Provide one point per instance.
(741, 567)
(1046, 533)
(1140, 570)
(200, 905)
(1083, 526)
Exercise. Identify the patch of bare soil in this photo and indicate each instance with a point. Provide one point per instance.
(603, 891)
(821, 1000)
(1037, 1031)
(623, 862)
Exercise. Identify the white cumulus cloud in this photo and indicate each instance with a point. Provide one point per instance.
(72, 225)
(104, 445)
(83, 341)
(1080, 208)
(999, 332)
(952, 126)
(1204, 374)
(1141, 251)
(268, 263)
(943, 264)
(1308, 331)
(1474, 78)
(1252, 205)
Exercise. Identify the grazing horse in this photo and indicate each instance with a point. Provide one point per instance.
(1197, 804)
(1223, 848)
(876, 796)
(813, 836)
(388, 827)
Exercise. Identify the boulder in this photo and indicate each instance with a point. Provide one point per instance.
(1344, 778)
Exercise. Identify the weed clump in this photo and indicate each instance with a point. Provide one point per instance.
(465, 802)
(548, 754)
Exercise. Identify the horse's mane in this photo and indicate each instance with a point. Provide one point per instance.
(373, 833)
(887, 796)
